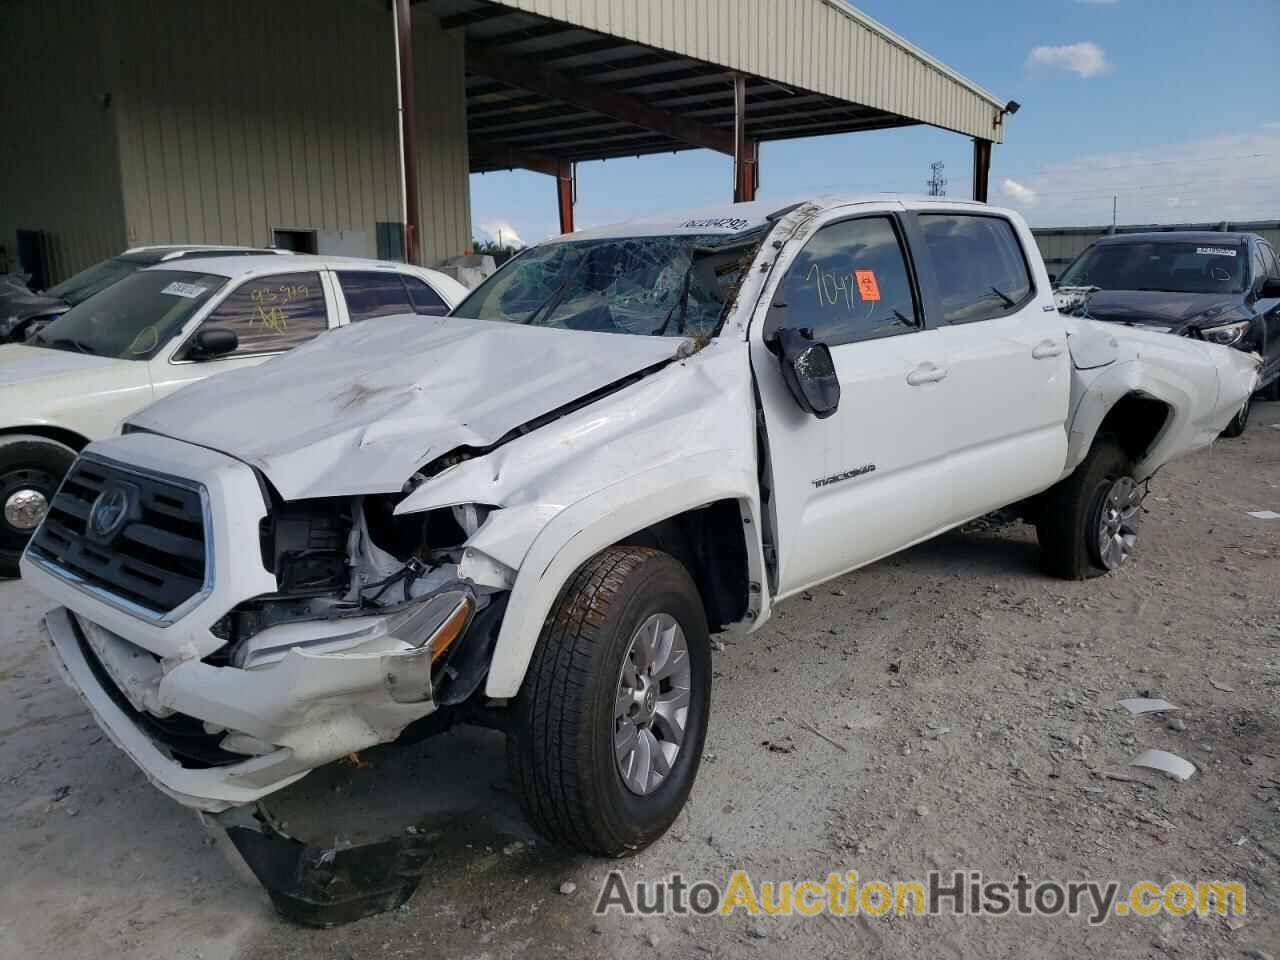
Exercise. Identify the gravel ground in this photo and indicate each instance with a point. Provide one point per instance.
(966, 718)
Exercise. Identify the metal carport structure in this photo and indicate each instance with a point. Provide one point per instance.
(553, 82)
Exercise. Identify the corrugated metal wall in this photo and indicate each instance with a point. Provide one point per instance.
(236, 119)
(1060, 245)
(819, 45)
(218, 121)
(58, 165)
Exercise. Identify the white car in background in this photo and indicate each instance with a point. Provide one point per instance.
(160, 329)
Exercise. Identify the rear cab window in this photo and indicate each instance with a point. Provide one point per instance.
(979, 266)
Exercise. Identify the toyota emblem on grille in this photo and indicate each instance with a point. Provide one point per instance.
(109, 512)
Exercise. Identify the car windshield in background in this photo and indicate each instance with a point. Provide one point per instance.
(87, 282)
(1176, 267)
(672, 286)
(132, 318)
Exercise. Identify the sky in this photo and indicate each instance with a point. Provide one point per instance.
(1170, 106)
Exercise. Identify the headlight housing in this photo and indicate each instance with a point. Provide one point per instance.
(1226, 334)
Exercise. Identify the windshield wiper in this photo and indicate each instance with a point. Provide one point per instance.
(1008, 300)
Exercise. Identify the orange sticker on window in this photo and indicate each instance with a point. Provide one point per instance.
(867, 286)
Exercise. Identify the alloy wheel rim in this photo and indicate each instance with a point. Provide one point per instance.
(651, 705)
(1118, 522)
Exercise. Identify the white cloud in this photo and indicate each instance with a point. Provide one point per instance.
(1087, 58)
(1273, 125)
(501, 231)
(1233, 177)
(1018, 193)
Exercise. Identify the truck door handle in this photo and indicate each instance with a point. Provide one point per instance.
(926, 373)
(1046, 348)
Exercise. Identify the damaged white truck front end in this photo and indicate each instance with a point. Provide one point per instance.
(276, 568)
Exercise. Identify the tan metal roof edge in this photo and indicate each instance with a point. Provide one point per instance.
(875, 26)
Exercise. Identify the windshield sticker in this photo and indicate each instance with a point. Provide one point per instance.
(188, 290)
(1215, 251)
(148, 339)
(721, 223)
(867, 285)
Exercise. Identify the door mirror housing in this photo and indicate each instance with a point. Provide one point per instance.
(1270, 288)
(809, 372)
(213, 342)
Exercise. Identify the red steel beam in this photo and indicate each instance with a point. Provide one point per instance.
(565, 190)
(981, 168)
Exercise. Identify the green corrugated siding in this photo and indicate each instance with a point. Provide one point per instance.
(58, 163)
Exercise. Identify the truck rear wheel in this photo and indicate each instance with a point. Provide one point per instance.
(31, 469)
(608, 727)
(1088, 521)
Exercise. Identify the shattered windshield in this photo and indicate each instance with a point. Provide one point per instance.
(673, 286)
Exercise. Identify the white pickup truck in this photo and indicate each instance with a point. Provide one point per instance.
(539, 508)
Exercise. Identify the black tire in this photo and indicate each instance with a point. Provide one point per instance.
(1071, 510)
(1239, 421)
(27, 462)
(560, 743)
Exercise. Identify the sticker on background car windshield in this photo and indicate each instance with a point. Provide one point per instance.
(867, 286)
(188, 290)
(1216, 251)
(722, 223)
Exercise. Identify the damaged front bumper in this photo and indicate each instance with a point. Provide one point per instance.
(215, 737)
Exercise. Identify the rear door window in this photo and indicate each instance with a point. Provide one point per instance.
(979, 265)
(372, 294)
(273, 313)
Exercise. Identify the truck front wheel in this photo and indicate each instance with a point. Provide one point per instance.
(31, 468)
(1088, 522)
(607, 730)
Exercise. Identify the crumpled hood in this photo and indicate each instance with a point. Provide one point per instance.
(20, 363)
(1174, 310)
(23, 303)
(358, 410)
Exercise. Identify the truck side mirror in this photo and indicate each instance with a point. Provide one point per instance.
(809, 372)
(213, 342)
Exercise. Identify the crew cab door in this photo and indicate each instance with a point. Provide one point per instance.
(269, 314)
(871, 477)
(1009, 369)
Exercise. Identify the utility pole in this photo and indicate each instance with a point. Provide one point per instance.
(937, 183)
(1113, 213)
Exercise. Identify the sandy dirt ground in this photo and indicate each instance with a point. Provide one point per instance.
(966, 718)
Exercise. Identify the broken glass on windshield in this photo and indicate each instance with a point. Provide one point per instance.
(674, 286)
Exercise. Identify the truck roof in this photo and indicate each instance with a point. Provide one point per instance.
(730, 218)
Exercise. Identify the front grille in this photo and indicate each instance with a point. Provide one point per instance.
(156, 560)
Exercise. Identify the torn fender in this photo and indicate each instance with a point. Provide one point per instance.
(593, 523)
(1203, 384)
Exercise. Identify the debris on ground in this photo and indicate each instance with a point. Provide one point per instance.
(1167, 763)
(568, 888)
(1264, 515)
(1140, 705)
